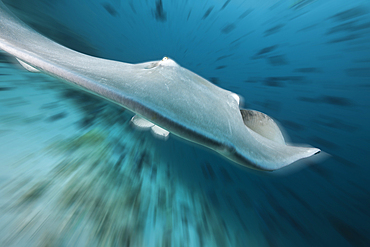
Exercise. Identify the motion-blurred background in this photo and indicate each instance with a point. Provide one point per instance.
(73, 172)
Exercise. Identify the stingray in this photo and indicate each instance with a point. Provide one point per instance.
(165, 97)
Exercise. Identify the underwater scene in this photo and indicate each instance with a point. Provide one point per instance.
(75, 171)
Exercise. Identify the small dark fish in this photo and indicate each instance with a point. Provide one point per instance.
(223, 57)
(345, 38)
(350, 14)
(335, 100)
(108, 7)
(221, 67)
(228, 28)
(225, 4)
(266, 50)
(247, 12)
(207, 13)
(159, 13)
(274, 29)
(273, 82)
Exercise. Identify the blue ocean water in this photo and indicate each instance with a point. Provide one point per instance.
(75, 173)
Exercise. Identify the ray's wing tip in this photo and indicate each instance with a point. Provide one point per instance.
(312, 151)
(309, 152)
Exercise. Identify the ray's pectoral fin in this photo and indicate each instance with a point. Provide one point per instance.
(263, 125)
(142, 123)
(275, 153)
(27, 66)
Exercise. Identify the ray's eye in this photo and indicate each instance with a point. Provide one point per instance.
(165, 59)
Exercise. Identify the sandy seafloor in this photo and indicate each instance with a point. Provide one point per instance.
(74, 172)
